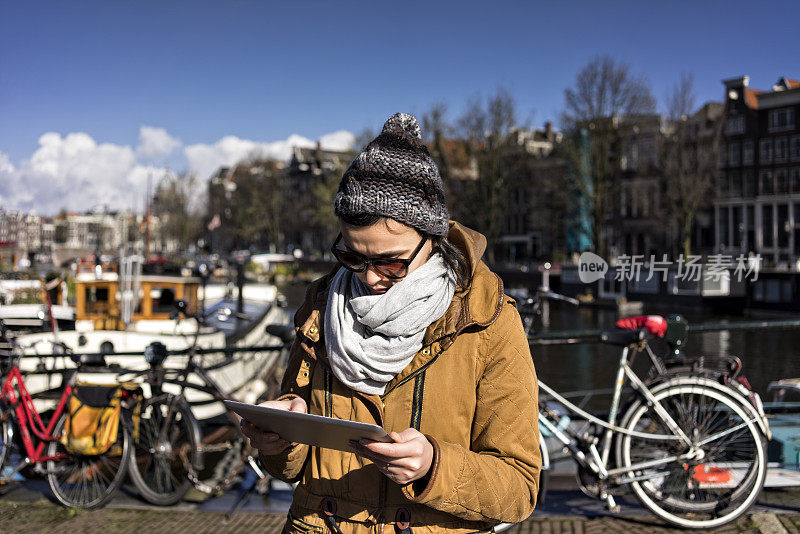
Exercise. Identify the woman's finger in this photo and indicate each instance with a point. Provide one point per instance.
(269, 447)
(393, 450)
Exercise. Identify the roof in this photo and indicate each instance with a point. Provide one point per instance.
(455, 151)
(751, 97)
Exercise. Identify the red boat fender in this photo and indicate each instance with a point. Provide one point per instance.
(655, 324)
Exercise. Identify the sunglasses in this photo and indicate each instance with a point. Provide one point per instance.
(393, 268)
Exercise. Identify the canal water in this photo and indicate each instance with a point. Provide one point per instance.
(767, 355)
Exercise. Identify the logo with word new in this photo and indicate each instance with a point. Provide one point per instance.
(591, 267)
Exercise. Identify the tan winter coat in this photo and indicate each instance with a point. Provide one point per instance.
(471, 390)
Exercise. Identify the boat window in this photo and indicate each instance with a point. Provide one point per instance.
(96, 299)
(163, 299)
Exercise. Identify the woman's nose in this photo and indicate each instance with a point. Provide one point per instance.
(371, 276)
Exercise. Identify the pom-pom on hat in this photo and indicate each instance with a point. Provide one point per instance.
(395, 177)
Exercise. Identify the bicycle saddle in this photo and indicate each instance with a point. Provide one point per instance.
(654, 324)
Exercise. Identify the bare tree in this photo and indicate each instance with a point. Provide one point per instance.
(689, 160)
(487, 127)
(176, 205)
(605, 91)
(435, 125)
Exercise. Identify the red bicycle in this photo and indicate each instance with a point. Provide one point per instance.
(77, 480)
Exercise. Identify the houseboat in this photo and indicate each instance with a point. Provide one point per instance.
(119, 311)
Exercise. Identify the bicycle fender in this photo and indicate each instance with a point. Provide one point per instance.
(759, 416)
(196, 433)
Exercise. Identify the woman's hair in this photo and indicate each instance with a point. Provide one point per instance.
(452, 257)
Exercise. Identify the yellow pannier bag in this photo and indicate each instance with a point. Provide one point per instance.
(93, 417)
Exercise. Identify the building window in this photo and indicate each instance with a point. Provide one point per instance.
(735, 125)
(796, 209)
(747, 152)
(781, 149)
(736, 184)
(649, 152)
(766, 225)
(765, 186)
(781, 119)
(781, 182)
(794, 148)
(751, 228)
(733, 154)
(723, 227)
(724, 183)
(722, 156)
(738, 226)
(765, 152)
(623, 202)
(783, 225)
(748, 184)
(794, 184)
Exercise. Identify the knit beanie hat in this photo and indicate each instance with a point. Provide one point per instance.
(395, 177)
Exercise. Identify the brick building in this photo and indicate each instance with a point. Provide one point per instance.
(757, 206)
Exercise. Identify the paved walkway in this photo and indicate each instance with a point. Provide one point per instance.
(36, 518)
(29, 508)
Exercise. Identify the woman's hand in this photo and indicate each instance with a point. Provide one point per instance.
(406, 460)
(269, 443)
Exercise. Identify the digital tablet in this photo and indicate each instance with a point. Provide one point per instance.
(327, 432)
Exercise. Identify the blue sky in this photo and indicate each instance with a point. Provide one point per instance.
(262, 72)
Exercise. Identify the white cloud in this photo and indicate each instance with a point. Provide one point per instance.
(9, 180)
(339, 140)
(156, 143)
(206, 159)
(77, 173)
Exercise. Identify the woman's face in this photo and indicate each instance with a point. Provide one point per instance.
(384, 239)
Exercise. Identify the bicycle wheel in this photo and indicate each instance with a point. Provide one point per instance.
(6, 437)
(87, 481)
(713, 481)
(164, 450)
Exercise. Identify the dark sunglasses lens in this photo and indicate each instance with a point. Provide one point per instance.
(349, 260)
(391, 269)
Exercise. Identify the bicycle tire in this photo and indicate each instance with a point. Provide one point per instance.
(87, 481)
(6, 437)
(159, 468)
(704, 492)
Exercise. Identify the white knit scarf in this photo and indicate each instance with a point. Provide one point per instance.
(370, 338)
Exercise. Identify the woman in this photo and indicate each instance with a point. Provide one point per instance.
(411, 332)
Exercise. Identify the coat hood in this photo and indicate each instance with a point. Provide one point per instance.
(480, 303)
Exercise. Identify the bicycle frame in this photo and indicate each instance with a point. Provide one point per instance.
(597, 460)
(28, 418)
